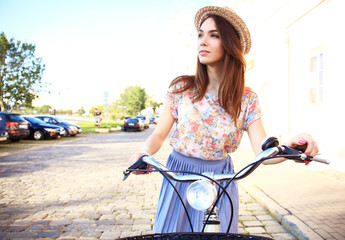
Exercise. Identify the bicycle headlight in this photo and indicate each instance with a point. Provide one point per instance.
(201, 195)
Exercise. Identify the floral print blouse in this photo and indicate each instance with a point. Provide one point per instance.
(203, 129)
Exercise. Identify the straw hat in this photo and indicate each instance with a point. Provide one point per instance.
(231, 17)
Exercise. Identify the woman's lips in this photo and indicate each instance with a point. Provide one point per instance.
(203, 52)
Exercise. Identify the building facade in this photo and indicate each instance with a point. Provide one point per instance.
(295, 67)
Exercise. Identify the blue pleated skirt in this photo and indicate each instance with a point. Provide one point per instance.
(171, 216)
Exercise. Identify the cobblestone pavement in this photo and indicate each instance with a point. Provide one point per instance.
(74, 190)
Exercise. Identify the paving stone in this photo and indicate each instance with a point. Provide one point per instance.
(71, 234)
(60, 222)
(124, 222)
(110, 235)
(265, 217)
(19, 235)
(90, 234)
(103, 228)
(275, 229)
(142, 227)
(247, 218)
(16, 228)
(107, 217)
(36, 228)
(86, 227)
(130, 234)
(47, 234)
(252, 223)
(53, 228)
(255, 230)
(105, 222)
(147, 221)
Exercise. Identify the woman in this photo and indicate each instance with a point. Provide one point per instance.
(211, 110)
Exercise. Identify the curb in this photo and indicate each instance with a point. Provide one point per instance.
(291, 223)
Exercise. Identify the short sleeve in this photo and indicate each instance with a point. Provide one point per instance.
(253, 110)
(173, 99)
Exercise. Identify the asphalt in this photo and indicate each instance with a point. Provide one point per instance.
(74, 190)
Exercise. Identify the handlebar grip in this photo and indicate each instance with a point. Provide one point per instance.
(139, 164)
(321, 160)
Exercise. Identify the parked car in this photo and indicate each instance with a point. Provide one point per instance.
(157, 118)
(153, 120)
(145, 120)
(70, 128)
(41, 130)
(4, 137)
(133, 124)
(15, 125)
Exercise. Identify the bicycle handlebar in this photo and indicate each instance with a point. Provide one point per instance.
(273, 152)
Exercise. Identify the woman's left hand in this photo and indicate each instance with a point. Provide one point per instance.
(304, 142)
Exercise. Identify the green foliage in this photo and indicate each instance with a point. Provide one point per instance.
(132, 101)
(118, 111)
(64, 112)
(154, 105)
(44, 109)
(80, 111)
(20, 73)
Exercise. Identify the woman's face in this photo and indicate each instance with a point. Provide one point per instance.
(210, 48)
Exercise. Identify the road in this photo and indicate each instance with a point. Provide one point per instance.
(73, 190)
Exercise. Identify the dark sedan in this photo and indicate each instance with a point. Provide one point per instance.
(41, 130)
(70, 128)
(133, 124)
(15, 125)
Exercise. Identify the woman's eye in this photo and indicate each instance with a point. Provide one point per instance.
(200, 35)
(215, 35)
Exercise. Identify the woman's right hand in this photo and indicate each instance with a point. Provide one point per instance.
(135, 158)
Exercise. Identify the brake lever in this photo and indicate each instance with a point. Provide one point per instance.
(140, 164)
(296, 155)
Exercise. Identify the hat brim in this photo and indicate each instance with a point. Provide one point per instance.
(229, 15)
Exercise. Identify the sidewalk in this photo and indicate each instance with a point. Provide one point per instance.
(309, 203)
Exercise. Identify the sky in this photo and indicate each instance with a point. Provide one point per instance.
(97, 48)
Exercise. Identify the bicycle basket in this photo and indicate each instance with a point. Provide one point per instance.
(196, 236)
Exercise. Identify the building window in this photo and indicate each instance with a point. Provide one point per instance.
(316, 80)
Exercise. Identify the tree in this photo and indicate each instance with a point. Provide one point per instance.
(20, 73)
(154, 105)
(44, 109)
(81, 111)
(133, 99)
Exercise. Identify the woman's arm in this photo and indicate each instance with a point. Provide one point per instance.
(154, 142)
(256, 133)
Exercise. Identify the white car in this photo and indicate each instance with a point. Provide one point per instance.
(145, 120)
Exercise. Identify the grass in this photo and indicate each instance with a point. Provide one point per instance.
(89, 127)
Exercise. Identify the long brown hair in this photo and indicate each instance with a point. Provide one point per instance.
(234, 66)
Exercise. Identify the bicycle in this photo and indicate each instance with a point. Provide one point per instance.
(202, 194)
